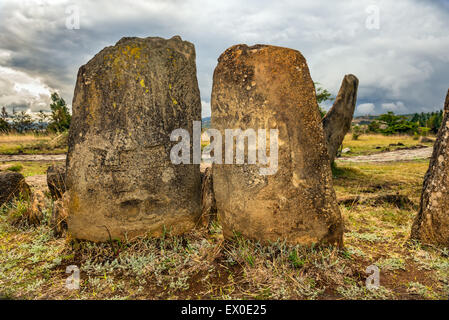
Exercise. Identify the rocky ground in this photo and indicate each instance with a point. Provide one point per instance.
(378, 203)
(202, 265)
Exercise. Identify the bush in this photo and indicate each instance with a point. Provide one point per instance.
(374, 126)
(423, 131)
(356, 132)
(15, 168)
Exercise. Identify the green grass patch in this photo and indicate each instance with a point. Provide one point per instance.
(15, 168)
(374, 143)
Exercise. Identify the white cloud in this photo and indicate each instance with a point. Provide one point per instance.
(365, 109)
(205, 112)
(405, 60)
(19, 90)
(397, 107)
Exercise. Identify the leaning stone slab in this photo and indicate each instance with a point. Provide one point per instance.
(121, 182)
(337, 121)
(431, 225)
(56, 180)
(268, 87)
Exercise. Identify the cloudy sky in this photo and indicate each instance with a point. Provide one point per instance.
(399, 50)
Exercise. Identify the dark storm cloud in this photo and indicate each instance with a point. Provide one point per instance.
(404, 64)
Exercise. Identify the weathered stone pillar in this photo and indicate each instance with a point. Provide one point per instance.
(267, 87)
(338, 119)
(128, 99)
(431, 225)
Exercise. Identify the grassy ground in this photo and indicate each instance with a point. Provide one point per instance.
(202, 265)
(27, 168)
(30, 144)
(374, 143)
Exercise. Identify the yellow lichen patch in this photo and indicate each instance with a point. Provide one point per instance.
(115, 105)
(142, 83)
(108, 57)
(92, 108)
(132, 51)
(74, 204)
(174, 101)
(135, 52)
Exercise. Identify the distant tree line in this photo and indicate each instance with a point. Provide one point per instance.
(431, 120)
(20, 122)
(418, 124)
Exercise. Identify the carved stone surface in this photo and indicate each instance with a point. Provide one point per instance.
(128, 99)
(267, 87)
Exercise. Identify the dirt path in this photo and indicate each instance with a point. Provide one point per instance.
(397, 155)
(31, 157)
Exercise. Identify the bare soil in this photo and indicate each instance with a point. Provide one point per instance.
(397, 155)
(31, 157)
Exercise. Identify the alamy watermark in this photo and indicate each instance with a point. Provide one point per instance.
(73, 281)
(372, 22)
(72, 20)
(373, 280)
(256, 147)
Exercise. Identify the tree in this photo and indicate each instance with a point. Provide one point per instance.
(322, 95)
(60, 116)
(434, 122)
(415, 118)
(42, 118)
(4, 114)
(374, 126)
(356, 132)
(4, 124)
(397, 124)
(21, 121)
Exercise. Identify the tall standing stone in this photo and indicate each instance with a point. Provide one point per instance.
(268, 87)
(128, 99)
(431, 225)
(338, 119)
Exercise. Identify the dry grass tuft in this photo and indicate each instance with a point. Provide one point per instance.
(28, 212)
(203, 265)
(31, 143)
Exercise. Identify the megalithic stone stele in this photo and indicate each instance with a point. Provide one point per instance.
(268, 87)
(431, 225)
(121, 182)
(337, 121)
